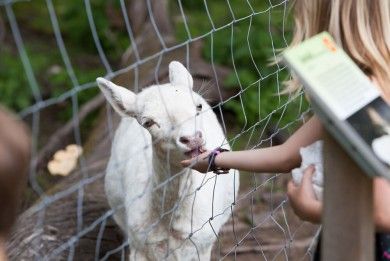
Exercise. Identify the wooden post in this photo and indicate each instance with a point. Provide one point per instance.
(348, 227)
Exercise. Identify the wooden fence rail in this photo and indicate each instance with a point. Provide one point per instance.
(348, 227)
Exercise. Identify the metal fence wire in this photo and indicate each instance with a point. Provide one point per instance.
(226, 45)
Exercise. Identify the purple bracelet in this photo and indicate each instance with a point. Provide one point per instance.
(211, 159)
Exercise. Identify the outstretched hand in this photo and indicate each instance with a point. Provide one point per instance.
(302, 197)
(199, 163)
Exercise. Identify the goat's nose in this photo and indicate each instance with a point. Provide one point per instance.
(192, 141)
(184, 139)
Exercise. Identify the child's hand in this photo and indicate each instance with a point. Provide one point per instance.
(302, 198)
(199, 163)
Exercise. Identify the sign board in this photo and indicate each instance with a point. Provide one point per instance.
(345, 99)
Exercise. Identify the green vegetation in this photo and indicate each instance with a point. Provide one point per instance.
(247, 36)
(44, 54)
(249, 44)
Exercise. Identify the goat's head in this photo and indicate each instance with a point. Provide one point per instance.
(172, 113)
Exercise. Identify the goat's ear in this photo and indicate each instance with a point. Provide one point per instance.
(121, 99)
(178, 75)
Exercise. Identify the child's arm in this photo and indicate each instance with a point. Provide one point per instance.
(382, 204)
(281, 158)
(307, 207)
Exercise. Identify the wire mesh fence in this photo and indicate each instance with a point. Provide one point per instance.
(55, 51)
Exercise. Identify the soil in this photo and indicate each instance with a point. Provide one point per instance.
(265, 227)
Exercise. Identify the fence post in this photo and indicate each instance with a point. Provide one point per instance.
(348, 227)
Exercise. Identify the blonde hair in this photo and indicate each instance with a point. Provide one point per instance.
(360, 27)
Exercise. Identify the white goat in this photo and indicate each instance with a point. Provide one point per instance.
(167, 211)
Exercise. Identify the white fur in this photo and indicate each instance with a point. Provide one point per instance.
(311, 155)
(142, 158)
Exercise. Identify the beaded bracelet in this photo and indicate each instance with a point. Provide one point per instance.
(211, 158)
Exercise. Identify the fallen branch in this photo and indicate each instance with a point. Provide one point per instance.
(296, 243)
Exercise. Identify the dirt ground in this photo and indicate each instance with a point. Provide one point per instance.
(264, 227)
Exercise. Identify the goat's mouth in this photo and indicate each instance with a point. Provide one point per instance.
(194, 152)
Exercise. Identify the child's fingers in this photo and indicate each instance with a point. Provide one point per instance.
(309, 170)
(291, 188)
(291, 185)
(189, 162)
(185, 163)
(307, 175)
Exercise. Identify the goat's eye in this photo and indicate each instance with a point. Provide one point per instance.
(199, 107)
(148, 123)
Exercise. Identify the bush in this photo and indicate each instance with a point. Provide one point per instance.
(248, 43)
